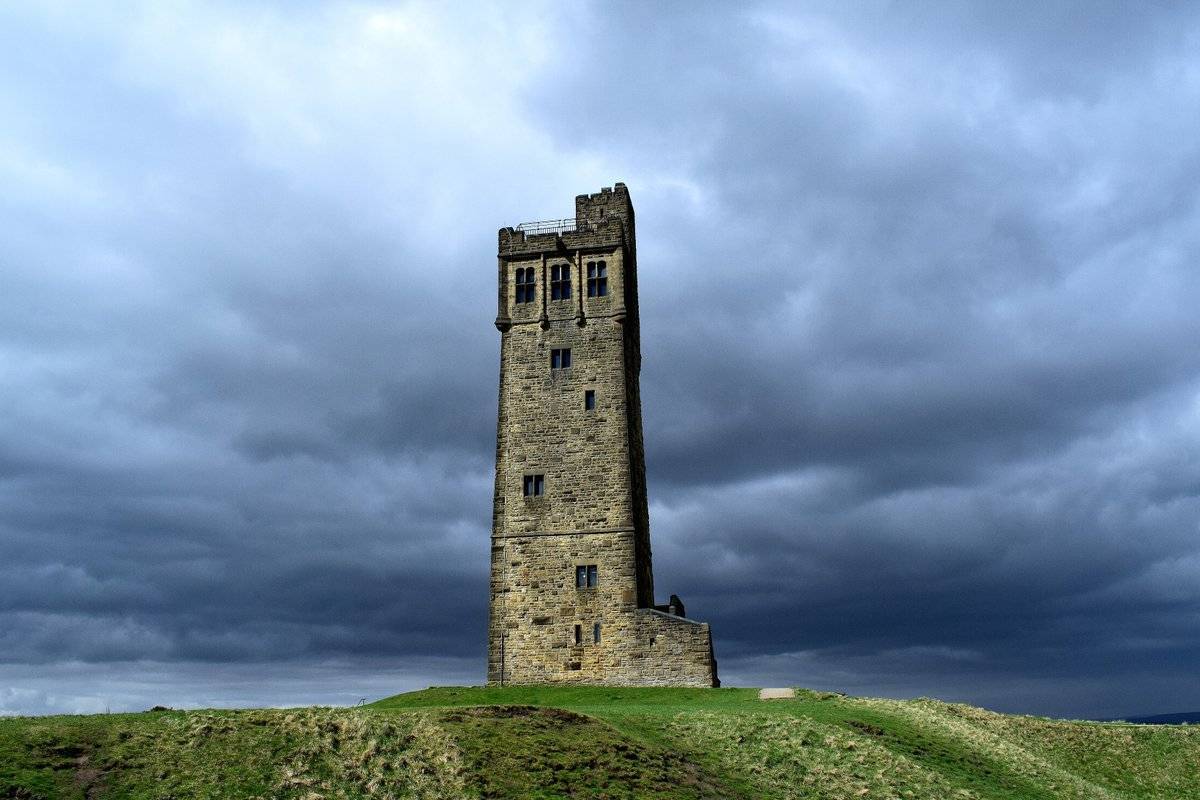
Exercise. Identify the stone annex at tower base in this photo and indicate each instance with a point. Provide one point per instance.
(572, 587)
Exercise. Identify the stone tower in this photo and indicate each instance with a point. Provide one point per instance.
(572, 589)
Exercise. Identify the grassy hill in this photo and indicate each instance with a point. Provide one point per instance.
(541, 742)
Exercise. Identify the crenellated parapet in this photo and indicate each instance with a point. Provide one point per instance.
(515, 243)
(603, 220)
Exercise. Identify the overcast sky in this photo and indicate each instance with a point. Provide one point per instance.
(921, 373)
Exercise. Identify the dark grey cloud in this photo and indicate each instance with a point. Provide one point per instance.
(921, 388)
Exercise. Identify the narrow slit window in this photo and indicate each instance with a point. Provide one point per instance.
(581, 577)
(560, 282)
(597, 280)
(534, 485)
(525, 285)
(578, 634)
(596, 633)
(592, 575)
(560, 359)
(589, 400)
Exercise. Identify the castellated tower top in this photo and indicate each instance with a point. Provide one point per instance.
(601, 219)
(572, 591)
(593, 209)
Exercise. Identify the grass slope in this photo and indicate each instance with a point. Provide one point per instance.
(589, 742)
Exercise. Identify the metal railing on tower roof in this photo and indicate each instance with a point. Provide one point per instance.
(548, 226)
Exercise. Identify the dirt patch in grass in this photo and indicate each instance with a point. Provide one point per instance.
(527, 752)
(866, 727)
(88, 778)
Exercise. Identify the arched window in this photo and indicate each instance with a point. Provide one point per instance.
(560, 282)
(597, 279)
(525, 284)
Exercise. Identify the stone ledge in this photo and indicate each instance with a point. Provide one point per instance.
(669, 616)
(535, 534)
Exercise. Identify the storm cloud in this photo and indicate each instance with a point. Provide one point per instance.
(921, 380)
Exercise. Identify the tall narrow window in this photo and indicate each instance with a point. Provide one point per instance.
(596, 633)
(534, 485)
(589, 400)
(597, 279)
(525, 285)
(592, 576)
(560, 282)
(578, 634)
(560, 359)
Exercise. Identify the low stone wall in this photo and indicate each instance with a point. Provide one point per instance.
(674, 651)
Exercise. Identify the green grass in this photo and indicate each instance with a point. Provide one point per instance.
(592, 742)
